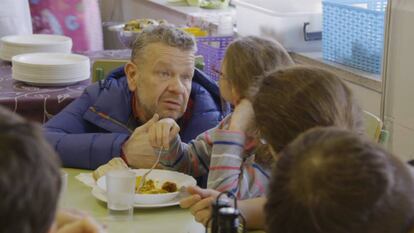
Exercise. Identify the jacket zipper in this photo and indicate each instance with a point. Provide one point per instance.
(105, 116)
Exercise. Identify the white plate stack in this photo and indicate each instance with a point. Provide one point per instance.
(35, 43)
(50, 69)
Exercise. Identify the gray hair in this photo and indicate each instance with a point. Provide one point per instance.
(166, 34)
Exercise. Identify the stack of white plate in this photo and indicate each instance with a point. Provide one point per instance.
(36, 43)
(50, 69)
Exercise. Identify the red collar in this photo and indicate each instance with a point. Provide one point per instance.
(189, 111)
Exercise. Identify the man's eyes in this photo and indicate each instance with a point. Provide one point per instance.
(164, 74)
(186, 77)
(168, 74)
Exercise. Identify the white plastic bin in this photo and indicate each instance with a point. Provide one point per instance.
(282, 20)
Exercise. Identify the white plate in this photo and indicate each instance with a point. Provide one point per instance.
(45, 72)
(50, 69)
(47, 83)
(23, 78)
(37, 84)
(99, 194)
(8, 54)
(36, 40)
(159, 176)
(50, 59)
(20, 44)
(5, 57)
(49, 77)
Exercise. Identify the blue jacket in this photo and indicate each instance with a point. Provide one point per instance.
(91, 130)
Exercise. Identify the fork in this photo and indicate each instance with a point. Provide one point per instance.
(142, 182)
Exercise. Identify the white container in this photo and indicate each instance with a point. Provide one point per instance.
(282, 20)
(34, 43)
(225, 26)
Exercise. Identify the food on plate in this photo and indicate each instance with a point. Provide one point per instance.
(113, 164)
(169, 186)
(150, 187)
(137, 25)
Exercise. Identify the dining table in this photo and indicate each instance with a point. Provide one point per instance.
(40, 103)
(171, 219)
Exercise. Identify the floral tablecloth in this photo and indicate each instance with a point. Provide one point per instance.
(40, 103)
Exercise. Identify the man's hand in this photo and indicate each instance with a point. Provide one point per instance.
(242, 118)
(137, 149)
(143, 129)
(162, 132)
(200, 203)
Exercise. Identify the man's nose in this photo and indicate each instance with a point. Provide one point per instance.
(176, 85)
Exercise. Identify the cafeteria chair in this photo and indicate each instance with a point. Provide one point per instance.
(101, 68)
(374, 128)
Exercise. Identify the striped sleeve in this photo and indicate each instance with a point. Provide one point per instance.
(231, 171)
(192, 158)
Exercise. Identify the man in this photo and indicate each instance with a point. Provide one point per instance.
(159, 81)
(30, 183)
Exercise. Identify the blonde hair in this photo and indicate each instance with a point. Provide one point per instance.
(248, 58)
(293, 100)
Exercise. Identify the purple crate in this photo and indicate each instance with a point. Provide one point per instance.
(213, 48)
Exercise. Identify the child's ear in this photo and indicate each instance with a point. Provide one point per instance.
(235, 96)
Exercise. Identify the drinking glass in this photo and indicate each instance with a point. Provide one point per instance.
(63, 188)
(120, 187)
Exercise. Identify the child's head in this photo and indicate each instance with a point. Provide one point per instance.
(293, 100)
(333, 180)
(245, 62)
(29, 177)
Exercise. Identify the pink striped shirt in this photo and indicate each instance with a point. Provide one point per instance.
(225, 156)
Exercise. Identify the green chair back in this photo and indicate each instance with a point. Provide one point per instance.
(101, 68)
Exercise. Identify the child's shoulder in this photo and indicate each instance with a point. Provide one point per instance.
(225, 122)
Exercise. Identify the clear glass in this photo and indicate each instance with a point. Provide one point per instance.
(63, 188)
(120, 186)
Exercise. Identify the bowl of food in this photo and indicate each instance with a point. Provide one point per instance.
(160, 186)
(128, 32)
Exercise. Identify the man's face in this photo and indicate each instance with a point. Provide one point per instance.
(161, 80)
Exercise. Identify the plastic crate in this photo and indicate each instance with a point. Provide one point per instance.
(353, 33)
(289, 22)
(213, 48)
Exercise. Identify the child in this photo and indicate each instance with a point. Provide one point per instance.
(228, 153)
(332, 180)
(289, 102)
(30, 182)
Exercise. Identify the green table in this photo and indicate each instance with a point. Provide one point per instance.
(156, 220)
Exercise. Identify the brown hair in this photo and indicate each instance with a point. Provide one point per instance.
(29, 177)
(333, 180)
(293, 100)
(248, 58)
